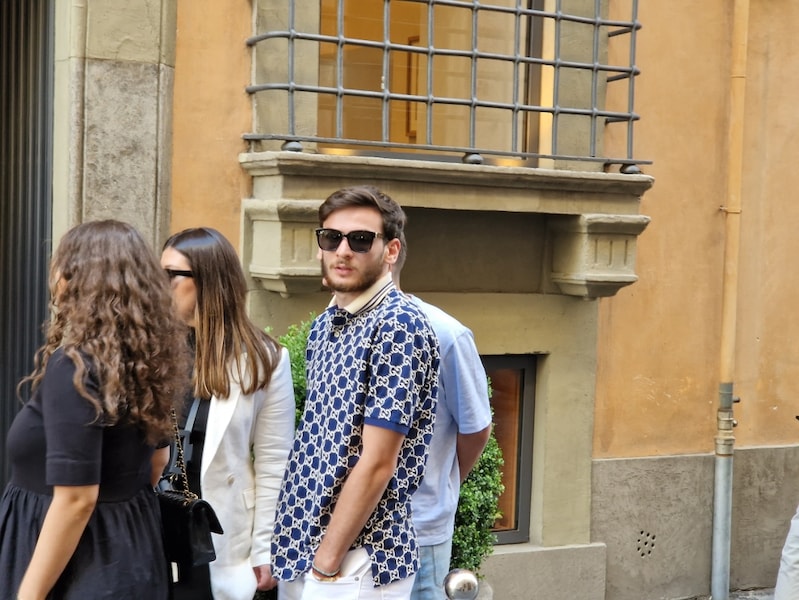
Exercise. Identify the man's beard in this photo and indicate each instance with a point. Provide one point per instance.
(367, 276)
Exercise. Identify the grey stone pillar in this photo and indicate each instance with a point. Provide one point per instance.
(113, 113)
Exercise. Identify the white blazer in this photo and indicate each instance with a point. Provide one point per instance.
(247, 442)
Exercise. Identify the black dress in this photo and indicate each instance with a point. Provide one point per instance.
(57, 440)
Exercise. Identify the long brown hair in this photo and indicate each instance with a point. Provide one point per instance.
(224, 332)
(112, 313)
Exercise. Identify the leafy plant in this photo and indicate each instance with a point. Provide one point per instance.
(478, 509)
(296, 340)
(478, 506)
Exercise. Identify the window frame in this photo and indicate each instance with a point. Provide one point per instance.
(527, 364)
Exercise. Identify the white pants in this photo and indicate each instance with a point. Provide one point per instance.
(787, 587)
(355, 583)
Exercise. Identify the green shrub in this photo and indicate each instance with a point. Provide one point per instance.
(295, 340)
(478, 508)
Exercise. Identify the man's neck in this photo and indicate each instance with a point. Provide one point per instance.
(352, 302)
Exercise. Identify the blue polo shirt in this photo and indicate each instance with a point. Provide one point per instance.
(374, 362)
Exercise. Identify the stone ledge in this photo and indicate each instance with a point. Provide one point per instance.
(592, 218)
(303, 163)
(575, 572)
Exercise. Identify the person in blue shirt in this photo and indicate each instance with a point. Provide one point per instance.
(461, 431)
(343, 528)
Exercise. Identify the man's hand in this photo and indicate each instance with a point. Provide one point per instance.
(263, 575)
(359, 495)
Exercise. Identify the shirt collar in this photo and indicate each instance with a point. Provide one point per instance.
(369, 298)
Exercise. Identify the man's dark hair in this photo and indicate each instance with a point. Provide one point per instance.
(403, 253)
(394, 218)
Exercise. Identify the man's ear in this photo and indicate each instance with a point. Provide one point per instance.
(392, 251)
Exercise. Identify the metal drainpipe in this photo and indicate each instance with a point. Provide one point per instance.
(725, 440)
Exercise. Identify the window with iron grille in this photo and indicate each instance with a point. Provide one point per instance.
(546, 83)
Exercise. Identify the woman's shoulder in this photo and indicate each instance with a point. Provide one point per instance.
(60, 367)
(58, 383)
(276, 355)
(271, 347)
(62, 363)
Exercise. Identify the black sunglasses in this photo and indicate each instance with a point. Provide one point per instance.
(359, 241)
(178, 273)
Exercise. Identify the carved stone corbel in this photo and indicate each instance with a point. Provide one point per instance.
(593, 255)
(280, 245)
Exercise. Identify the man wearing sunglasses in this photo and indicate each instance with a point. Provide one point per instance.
(343, 528)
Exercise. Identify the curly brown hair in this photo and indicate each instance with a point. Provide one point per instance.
(112, 313)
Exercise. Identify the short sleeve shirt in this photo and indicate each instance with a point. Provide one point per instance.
(377, 366)
(58, 439)
(463, 408)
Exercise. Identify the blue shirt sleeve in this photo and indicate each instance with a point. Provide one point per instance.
(464, 385)
(400, 346)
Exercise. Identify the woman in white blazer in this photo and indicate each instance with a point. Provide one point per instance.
(241, 416)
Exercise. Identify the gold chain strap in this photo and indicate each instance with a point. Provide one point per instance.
(180, 462)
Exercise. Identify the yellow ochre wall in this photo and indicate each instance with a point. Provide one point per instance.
(658, 353)
(212, 111)
(659, 339)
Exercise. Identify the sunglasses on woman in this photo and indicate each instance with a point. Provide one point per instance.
(359, 241)
(172, 273)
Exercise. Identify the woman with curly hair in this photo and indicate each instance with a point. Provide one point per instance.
(240, 415)
(79, 518)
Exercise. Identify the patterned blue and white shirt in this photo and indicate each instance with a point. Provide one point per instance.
(374, 363)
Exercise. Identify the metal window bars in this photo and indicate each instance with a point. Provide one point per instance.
(551, 55)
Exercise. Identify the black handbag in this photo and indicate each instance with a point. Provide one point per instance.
(187, 520)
